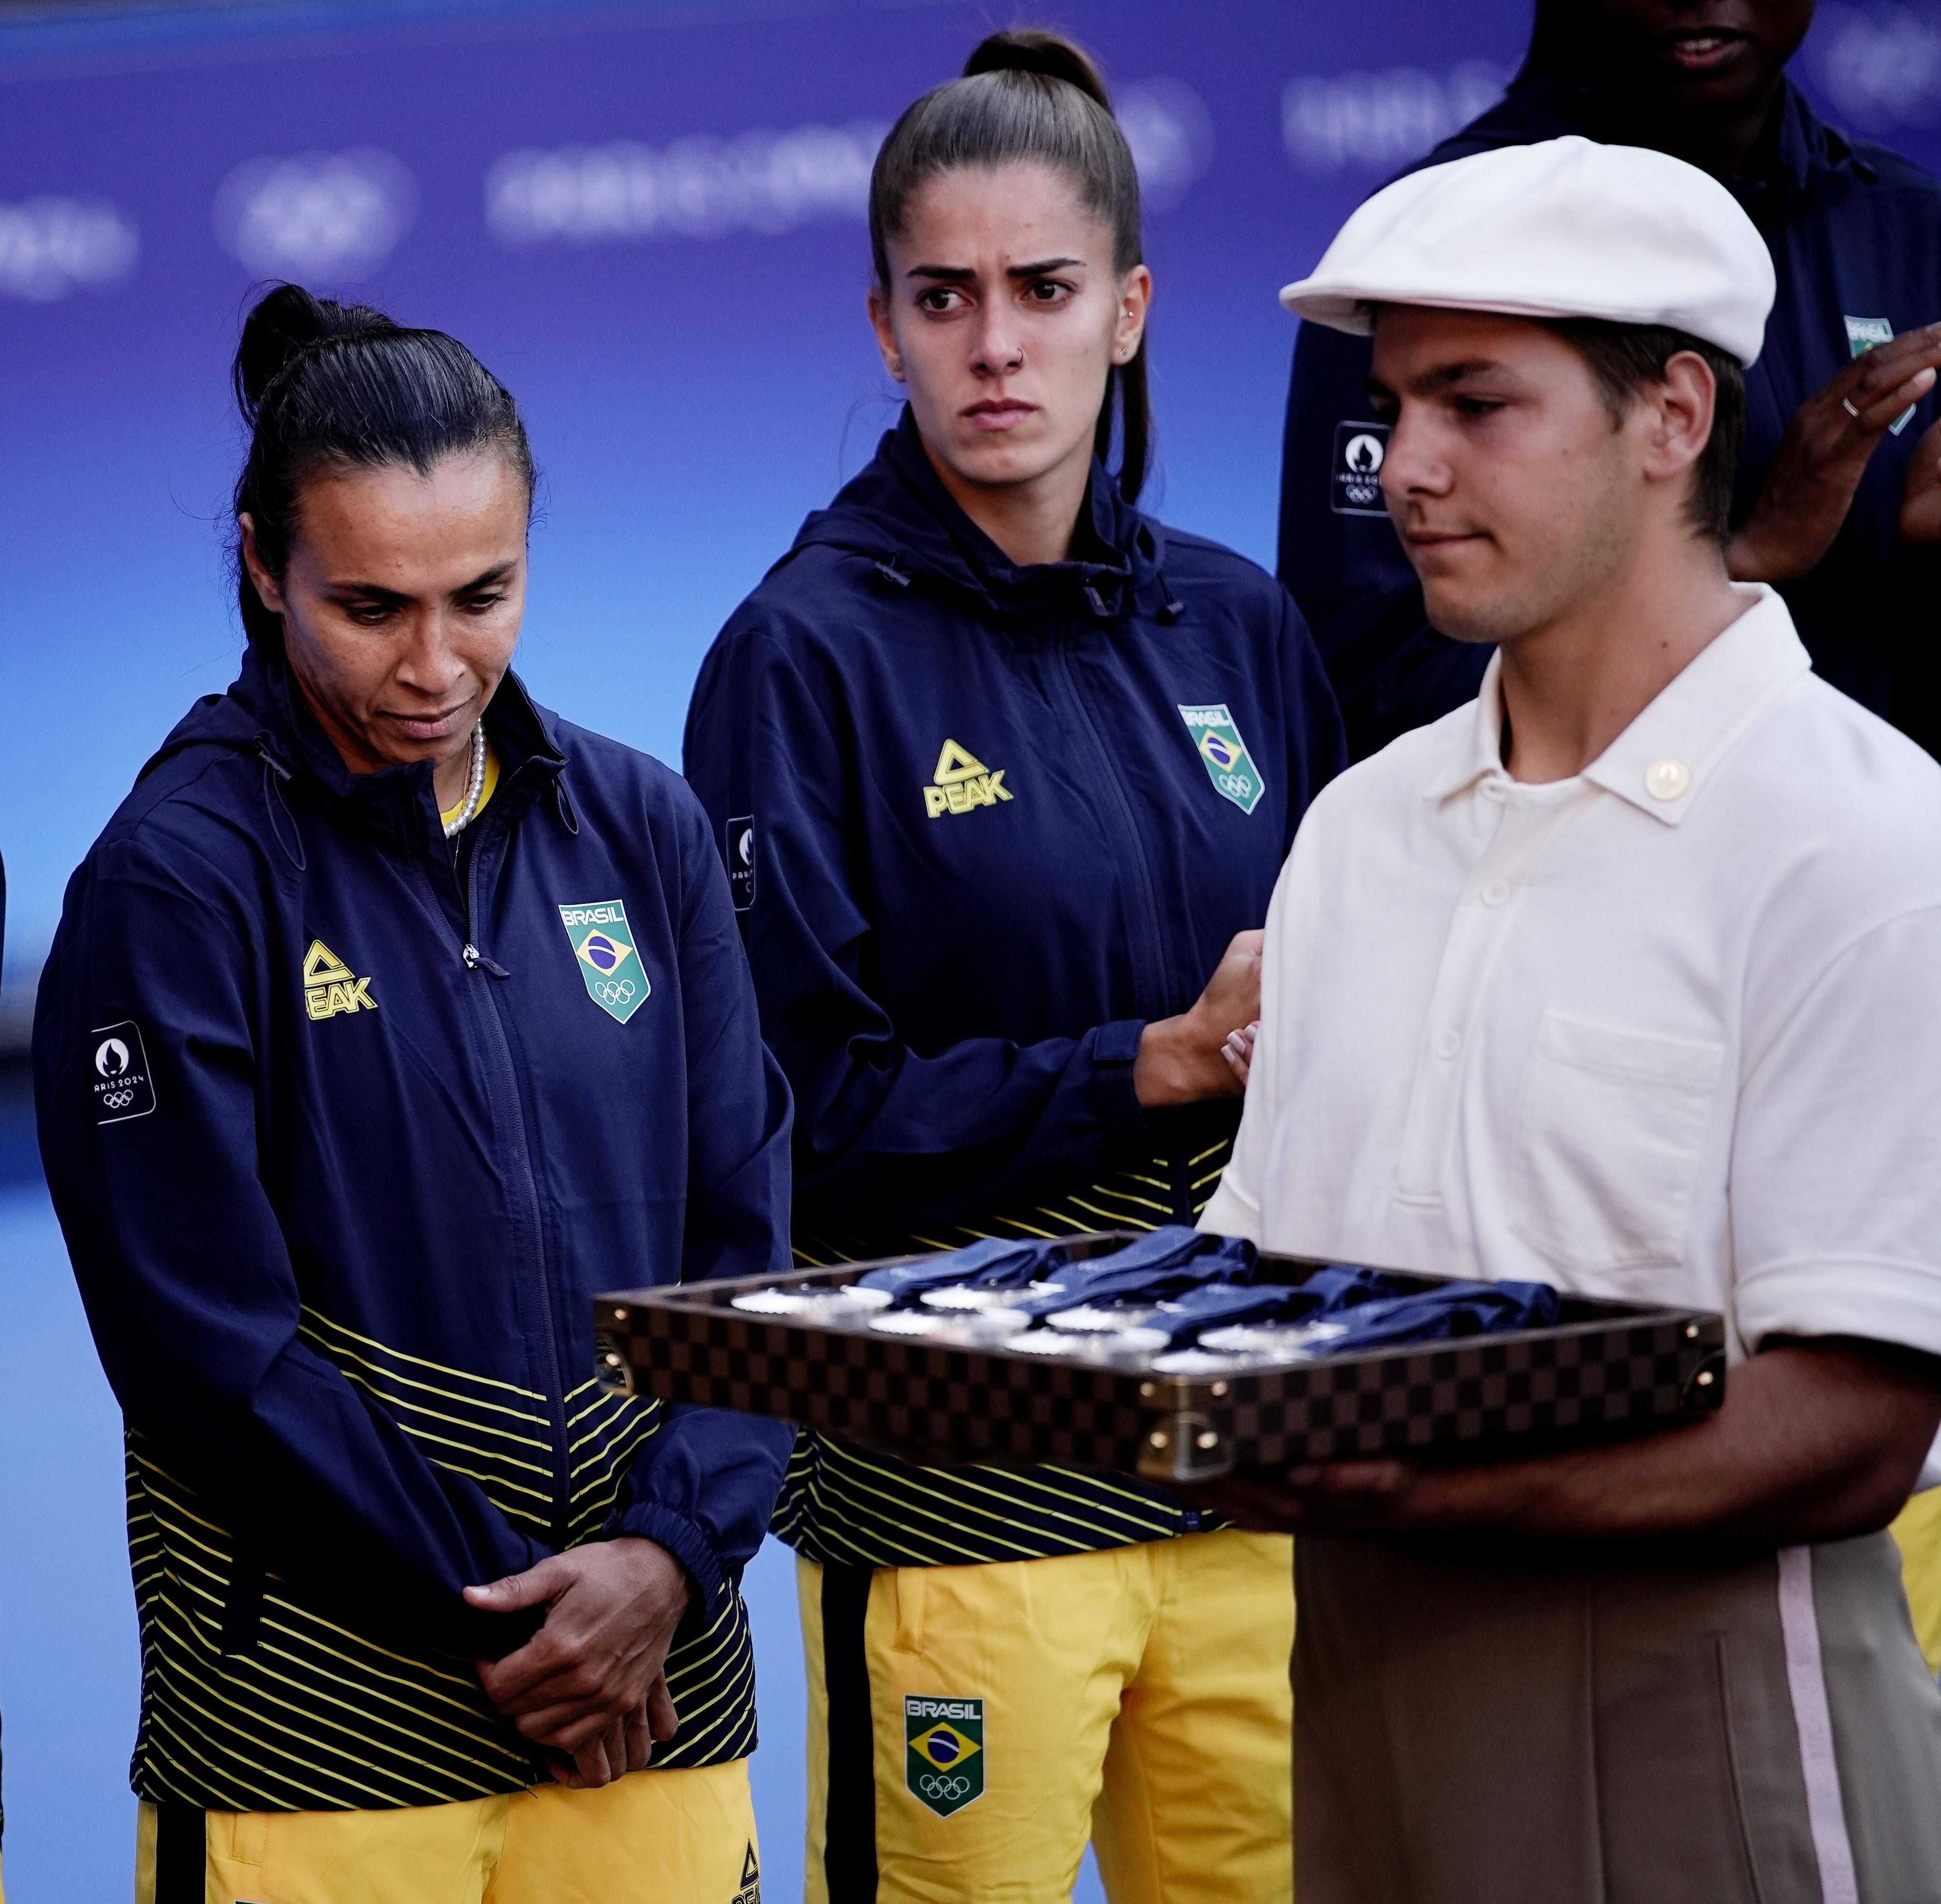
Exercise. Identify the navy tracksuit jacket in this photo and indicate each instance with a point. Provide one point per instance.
(978, 839)
(344, 1141)
(1855, 234)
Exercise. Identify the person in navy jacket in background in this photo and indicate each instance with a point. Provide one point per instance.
(1003, 771)
(1838, 499)
(390, 1021)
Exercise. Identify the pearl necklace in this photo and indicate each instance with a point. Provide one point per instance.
(475, 785)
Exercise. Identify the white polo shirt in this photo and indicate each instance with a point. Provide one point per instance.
(1669, 1031)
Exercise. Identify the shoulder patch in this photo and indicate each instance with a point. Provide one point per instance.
(123, 1087)
(1355, 483)
(741, 844)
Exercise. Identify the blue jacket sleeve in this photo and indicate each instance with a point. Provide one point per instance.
(704, 1485)
(1391, 671)
(189, 1287)
(886, 1138)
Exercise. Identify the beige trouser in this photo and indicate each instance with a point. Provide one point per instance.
(1472, 1732)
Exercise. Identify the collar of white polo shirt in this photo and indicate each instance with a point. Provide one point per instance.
(1663, 759)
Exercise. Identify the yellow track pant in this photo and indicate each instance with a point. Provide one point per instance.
(1919, 1531)
(665, 1838)
(971, 1727)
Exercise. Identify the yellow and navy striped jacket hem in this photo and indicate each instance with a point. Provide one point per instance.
(845, 1505)
(256, 1697)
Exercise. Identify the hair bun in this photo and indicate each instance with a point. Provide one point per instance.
(1034, 50)
(286, 321)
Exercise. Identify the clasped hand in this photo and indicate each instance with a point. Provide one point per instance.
(590, 1686)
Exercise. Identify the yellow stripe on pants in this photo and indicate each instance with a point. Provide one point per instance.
(1138, 1696)
(685, 1837)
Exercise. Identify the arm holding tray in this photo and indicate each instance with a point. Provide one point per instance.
(1820, 1439)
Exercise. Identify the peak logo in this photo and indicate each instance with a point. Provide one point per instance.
(962, 784)
(750, 1891)
(330, 987)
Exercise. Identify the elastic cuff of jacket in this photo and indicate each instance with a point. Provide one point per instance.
(1114, 1101)
(649, 1520)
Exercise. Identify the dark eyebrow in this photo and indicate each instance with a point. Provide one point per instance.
(391, 598)
(1444, 375)
(1441, 378)
(497, 573)
(369, 591)
(962, 274)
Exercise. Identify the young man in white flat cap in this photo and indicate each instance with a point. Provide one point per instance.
(1626, 978)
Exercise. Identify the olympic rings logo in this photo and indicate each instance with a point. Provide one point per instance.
(1240, 785)
(117, 1100)
(615, 992)
(934, 1785)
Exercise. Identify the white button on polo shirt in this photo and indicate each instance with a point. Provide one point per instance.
(1669, 1030)
(1667, 779)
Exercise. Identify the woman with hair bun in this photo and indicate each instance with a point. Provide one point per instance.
(391, 1019)
(1004, 771)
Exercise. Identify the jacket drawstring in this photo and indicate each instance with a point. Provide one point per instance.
(275, 775)
(476, 961)
(890, 572)
(568, 817)
(1173, 607)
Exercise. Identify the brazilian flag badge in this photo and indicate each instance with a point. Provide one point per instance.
(1224, 754)
(944, 1760)
(615, 980)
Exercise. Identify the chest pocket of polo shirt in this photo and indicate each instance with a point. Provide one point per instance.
(1610, 1131)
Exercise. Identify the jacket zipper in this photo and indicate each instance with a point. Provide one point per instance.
(501, 1050)
(1152, 993)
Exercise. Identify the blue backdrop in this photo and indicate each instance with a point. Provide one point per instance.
(647, 218)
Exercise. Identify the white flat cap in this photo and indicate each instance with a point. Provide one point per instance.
(1567, 228)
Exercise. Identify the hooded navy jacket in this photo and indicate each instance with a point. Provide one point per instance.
(344, 1142)
(1855, 234)
(985, 822)
(977, 842)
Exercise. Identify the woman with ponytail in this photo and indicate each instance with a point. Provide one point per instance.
(392, 1018)
(1004, 771)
